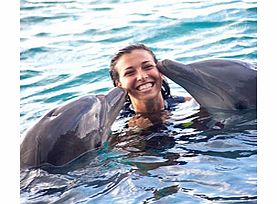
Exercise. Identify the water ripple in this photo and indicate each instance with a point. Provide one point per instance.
(65, 51)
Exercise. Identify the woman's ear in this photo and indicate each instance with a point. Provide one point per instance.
(118, 84)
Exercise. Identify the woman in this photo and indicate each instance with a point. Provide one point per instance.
(134, 68)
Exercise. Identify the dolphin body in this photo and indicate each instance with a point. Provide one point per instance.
(225, 84)
(69, 131)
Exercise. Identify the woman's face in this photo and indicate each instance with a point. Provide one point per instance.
(139, 75)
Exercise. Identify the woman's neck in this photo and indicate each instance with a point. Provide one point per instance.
(149, 106)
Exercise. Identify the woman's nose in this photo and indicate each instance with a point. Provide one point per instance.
(141, 75)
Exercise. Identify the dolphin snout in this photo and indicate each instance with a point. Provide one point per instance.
(161, 65)
(116, 96)
(172, 68)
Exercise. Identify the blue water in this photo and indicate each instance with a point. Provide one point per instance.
(65, 51)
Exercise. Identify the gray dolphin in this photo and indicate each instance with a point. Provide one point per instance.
(226, 84)
(68, 131)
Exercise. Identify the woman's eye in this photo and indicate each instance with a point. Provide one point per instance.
(149, 66)
(129, 73)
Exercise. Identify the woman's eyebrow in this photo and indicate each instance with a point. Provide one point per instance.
(145, 62)
(128, 68)
(131, 67)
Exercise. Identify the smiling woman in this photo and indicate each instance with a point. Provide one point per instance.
(134, 69)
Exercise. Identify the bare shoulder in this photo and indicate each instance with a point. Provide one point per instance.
(187, 98)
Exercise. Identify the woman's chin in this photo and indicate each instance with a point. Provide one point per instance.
(147, 95)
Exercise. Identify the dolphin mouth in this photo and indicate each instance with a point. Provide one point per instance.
(204, 88)
(112, 103)
(115, 101)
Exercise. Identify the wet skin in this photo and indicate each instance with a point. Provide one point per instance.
(139, 76)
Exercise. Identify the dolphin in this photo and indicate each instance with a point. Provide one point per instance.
(68, 131)
(216, 84)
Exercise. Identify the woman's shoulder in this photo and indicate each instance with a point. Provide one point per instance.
(178, 99)
(174, 100)
(170, 102)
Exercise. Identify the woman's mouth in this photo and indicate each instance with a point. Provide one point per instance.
(145, 87)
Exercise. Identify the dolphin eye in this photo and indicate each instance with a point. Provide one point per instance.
(240, 105)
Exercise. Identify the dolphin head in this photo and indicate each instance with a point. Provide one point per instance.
(103, 111)
(114, 102)
(216, 83)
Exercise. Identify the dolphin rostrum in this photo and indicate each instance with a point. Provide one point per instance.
(68, 131)
(226, 84)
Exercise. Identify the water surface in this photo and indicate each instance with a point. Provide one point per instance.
(65, 51)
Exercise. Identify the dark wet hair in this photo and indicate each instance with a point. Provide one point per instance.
(114, 73)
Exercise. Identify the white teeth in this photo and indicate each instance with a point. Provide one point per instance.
(144, 86)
